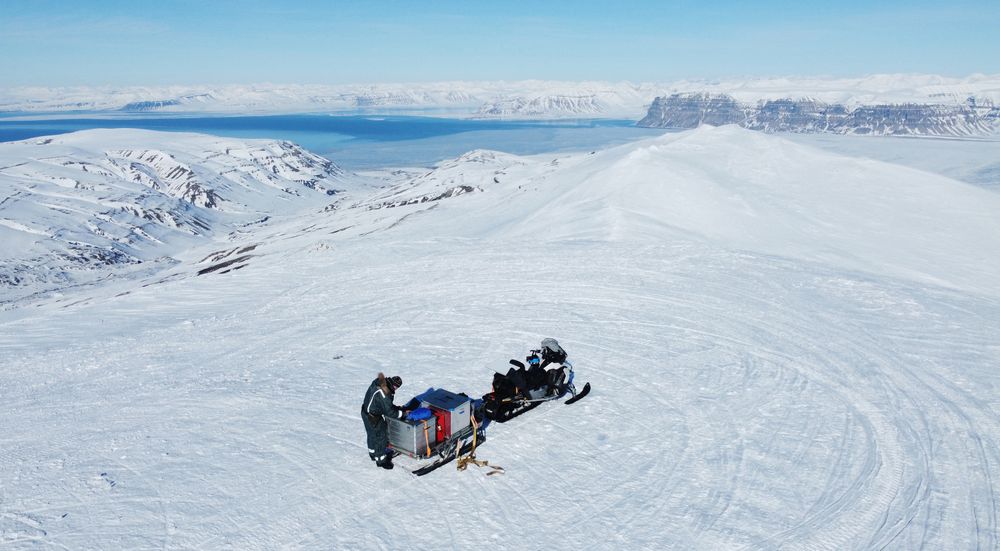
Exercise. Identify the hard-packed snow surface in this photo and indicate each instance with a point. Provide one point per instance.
(788, 349)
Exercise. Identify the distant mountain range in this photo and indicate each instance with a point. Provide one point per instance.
(537, 99)
(530, 99)
(690, 110)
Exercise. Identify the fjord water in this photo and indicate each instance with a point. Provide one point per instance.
(362, 141)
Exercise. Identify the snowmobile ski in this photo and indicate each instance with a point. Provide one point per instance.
(579, 396)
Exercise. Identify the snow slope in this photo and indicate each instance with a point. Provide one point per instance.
(78, 207)
(732, 187)
(788, 348)
(971, 161)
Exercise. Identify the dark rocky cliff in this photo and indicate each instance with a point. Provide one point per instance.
(805, 115)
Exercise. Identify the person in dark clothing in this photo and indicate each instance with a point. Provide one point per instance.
(376, 408)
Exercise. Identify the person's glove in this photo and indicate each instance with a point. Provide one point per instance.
(411, 405)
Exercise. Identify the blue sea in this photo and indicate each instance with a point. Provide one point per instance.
(359, 142)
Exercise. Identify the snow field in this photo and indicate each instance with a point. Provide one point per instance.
(749, 393)
(738, 402)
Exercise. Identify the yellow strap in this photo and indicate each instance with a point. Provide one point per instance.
(461, 463)
(475, 431)
(427, 439)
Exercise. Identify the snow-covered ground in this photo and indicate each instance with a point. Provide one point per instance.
(789, 348)
(974, 161)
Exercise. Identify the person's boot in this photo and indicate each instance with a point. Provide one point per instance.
(387, 464)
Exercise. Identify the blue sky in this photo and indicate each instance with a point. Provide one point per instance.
(137, 42)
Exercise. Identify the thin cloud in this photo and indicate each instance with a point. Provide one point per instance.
(64, 28)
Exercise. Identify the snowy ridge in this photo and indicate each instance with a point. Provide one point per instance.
(162, 172)
(102, 201)
(765, 197)
(788, 349)
(472, 172)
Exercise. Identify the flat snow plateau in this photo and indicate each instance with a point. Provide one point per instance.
(789, 348)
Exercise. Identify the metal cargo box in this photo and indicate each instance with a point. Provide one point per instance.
(456, 408)
(413, 438)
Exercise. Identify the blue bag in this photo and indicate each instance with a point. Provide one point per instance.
(420, 414)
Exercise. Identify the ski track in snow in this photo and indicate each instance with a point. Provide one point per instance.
(740, 402)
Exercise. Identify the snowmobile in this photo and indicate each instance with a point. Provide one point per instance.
(524, 387)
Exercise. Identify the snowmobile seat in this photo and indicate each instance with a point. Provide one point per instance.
(519, 378)
(536, 377)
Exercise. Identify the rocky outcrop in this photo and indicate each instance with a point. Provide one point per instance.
(807, 115)
(694, 110)
(165, 104)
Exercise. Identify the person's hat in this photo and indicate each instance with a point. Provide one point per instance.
(393, 383)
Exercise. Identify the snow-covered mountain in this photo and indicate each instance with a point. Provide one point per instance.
(80, 206)
(554, 106)
(472, 172)
(187, 102)
(971, 118)
(788, 348)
